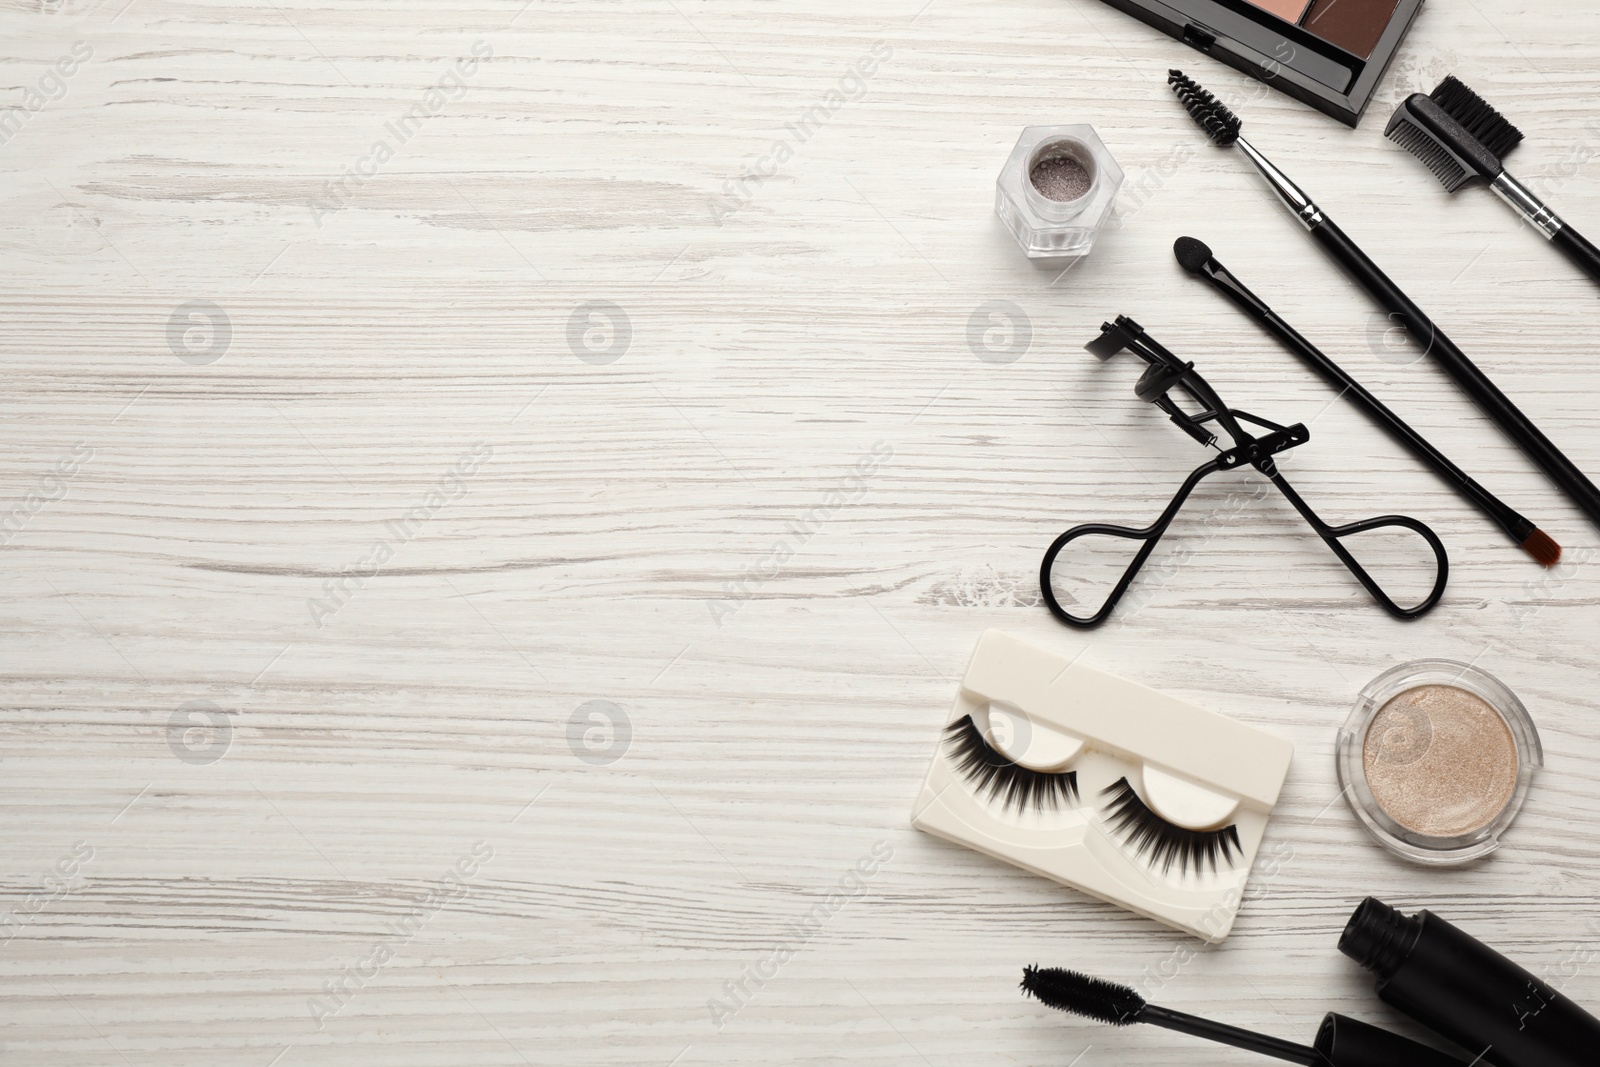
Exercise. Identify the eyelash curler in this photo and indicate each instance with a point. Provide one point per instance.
(1166, 372)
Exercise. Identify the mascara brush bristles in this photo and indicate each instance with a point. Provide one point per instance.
(1079, 994)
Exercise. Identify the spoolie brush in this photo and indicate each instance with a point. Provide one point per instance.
(1220, 124)
(1341, 1041)
(1223, 126)
(1458, 136)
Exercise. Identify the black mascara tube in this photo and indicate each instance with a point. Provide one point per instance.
(1467, 992)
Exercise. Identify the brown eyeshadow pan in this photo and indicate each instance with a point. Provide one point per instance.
(1354, 25)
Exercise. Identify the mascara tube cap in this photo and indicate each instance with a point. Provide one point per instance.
(1346, 1042)
(1379, 937)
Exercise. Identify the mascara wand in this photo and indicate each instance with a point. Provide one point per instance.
(1458, 136)
(1341, 1041)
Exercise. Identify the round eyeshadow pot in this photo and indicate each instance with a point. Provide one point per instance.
(1436, 760)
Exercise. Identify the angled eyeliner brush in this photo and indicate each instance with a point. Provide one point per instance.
(1196, 258)
(1222, 126)
(1341, 1041)
(1458, 136)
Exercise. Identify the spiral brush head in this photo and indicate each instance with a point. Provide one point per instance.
(1093, 998)
(1220, 124)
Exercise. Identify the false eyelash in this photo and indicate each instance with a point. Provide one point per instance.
(1145, 831)
(999, 776)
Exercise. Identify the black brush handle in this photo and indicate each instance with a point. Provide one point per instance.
(1538, 215)
(1494, 403)
(1223, 1034)
(1222, 279)
(1579, 250)
(1517, 527)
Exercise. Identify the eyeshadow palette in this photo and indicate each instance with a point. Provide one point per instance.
(1328, 53)
(1132, 796)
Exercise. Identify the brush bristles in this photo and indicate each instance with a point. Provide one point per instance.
(1093, 998)
(1220, 124)
(1543, 548)
(1472, 111)
(1435, 157)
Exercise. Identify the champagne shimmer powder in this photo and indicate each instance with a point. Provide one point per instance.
(1440, 761)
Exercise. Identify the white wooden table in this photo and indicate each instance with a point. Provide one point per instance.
(342, 505)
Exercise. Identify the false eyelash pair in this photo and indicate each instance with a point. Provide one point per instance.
(1003, 778)
(1013, 785)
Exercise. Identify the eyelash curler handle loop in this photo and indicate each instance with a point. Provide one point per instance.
(1333, 536)
(1150, 535)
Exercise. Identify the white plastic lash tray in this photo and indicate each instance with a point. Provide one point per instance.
(1104, 785)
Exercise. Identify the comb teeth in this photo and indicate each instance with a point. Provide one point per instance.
(1472, 111)
(1220, 124)
(1451, 174)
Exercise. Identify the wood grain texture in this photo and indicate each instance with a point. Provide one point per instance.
(569, 509)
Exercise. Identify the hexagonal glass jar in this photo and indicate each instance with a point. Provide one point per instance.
(1055, 232)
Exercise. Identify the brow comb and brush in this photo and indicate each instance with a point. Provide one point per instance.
(1458, 136)
(1223, 127)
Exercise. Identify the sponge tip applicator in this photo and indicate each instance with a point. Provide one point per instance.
(1193, 254)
